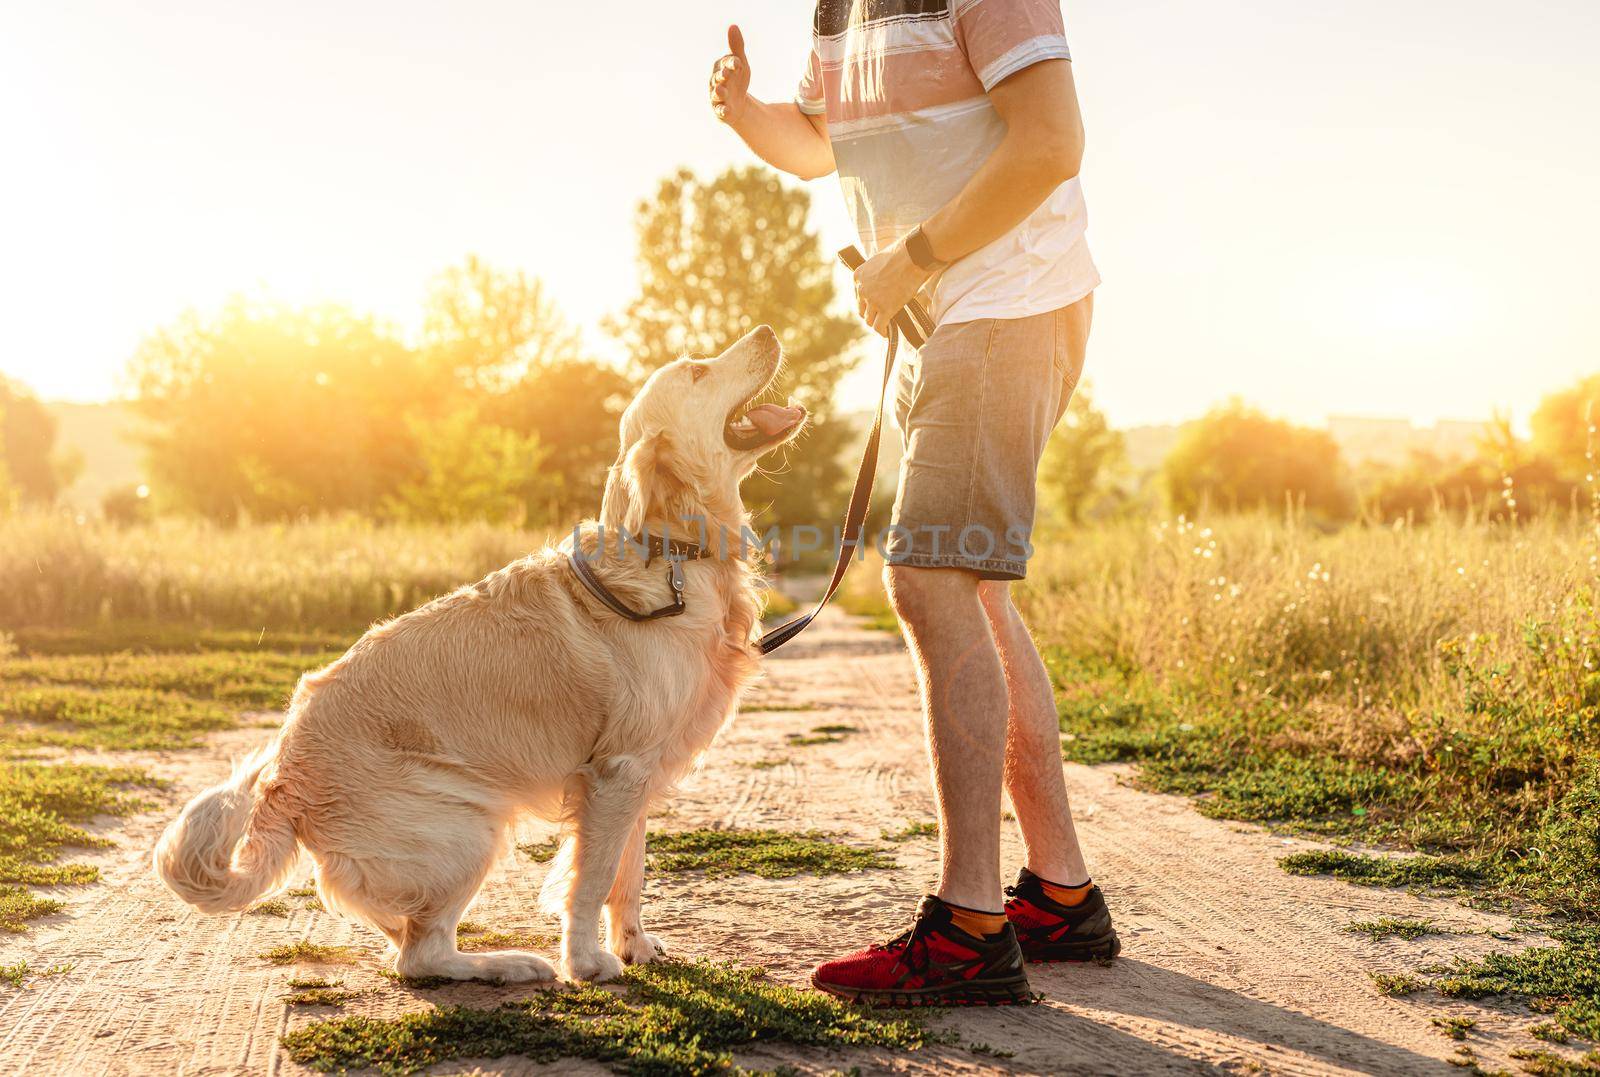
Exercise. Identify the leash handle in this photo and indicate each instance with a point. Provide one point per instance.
(914, 322)
(909, 322)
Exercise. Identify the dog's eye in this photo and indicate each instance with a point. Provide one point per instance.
(698, 370)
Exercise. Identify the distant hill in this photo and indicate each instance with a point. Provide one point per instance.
(104, 437)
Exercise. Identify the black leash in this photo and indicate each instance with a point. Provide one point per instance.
(916, 326)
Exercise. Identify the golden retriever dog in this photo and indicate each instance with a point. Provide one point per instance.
(401, 766)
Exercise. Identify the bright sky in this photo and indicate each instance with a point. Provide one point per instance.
(1382, 207)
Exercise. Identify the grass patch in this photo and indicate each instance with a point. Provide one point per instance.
(769, 764)
(295, 953)
(18, 906)
(1541, 1063)
(540, 852)
(771, 854)
(1416, 872)
(421, 983)
(119, 719)
(1390, 928)
(240, 679)
(505, 940)
(1562, 980)
(313, 983)
(1397, 983)
(822, 734)
(1454, 1027)
(307, 891)
(157, 638)
(321, 997)
(41, 809)
(910, 831)
(671, 1018)
(18, 974)
(767, 706)
(274, 907)
(1549, 1032)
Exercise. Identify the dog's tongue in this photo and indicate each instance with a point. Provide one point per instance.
(774, 418)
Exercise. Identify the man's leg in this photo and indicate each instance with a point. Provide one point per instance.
(1033, 771)
(964, 701)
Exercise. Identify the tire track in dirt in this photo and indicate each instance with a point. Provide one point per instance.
(1229, 964)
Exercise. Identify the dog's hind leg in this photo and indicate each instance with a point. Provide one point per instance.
(609, 812)
(418, 899)
(625, 933)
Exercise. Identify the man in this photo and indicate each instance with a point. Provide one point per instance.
(954, 127)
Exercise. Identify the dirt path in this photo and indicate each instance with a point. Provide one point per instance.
(1229, 964)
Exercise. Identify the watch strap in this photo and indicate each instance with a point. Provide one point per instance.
(921, 251)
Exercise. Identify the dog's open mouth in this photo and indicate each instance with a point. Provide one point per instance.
(752, 428)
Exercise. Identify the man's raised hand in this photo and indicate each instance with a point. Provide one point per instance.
(730, 80)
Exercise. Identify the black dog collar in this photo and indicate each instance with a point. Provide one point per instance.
(669, 549)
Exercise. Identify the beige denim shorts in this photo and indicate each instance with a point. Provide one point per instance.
(976, 407)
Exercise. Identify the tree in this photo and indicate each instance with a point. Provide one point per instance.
(1237, 459)
(273, 411)
(573, 406)
(1562, 426)
(9, 497)
(1505, 481)
(30, 467)
(1082, 454)
(491, 328)
(525, 371)
(716, 259)
(470, 470)
(278, 412)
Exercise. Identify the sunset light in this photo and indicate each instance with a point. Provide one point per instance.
(800, 536)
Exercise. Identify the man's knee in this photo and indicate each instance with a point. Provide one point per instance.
(921, 595)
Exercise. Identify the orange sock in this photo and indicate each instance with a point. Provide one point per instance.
(974, 922)
(1066, 895)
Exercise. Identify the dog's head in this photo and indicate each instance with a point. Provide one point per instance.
(694, 432)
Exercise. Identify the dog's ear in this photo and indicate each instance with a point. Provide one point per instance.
(643, 477)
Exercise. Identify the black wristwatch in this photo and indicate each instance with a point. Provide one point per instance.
(921, 251)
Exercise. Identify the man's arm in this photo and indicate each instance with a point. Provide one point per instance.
(778, 132)
(1042, 149)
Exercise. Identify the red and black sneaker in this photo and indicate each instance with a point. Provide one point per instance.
(1050, 931)
(935, 963)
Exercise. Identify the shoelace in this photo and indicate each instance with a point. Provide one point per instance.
(912, 944)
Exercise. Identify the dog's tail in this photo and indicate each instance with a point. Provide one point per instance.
(232, 844)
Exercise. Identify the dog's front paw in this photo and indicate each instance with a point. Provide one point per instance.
(639, 948)
(594, 966)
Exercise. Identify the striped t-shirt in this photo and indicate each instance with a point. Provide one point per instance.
(904, 85)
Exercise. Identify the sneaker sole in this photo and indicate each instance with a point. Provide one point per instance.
(967, 993)
(1101, 949)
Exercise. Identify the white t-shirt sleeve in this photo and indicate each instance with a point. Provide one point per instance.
(1001, 37)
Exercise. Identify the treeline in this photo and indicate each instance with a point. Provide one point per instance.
(495, 411)
(269, 412)
(1238, 459)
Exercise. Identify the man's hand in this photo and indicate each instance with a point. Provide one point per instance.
(730, 81)
(885, 283)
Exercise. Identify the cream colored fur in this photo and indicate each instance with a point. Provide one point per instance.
(401, 766)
